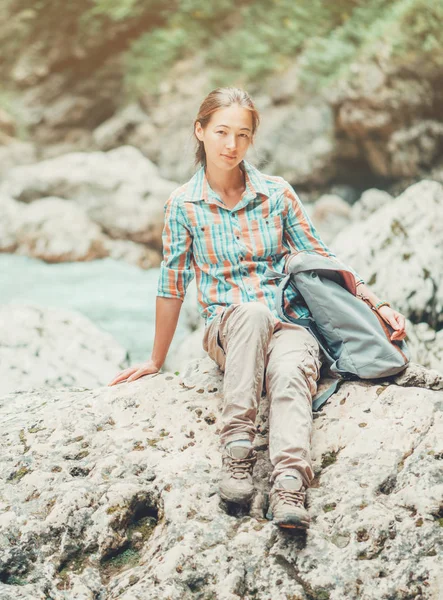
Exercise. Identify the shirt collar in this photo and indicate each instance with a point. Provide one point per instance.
(199, 188)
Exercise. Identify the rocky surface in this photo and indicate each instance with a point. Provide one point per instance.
(398, 250)
(57, 230)
(7, 124)
(390, 114)
(118, 130)
(381, 125)
(425, 345)
(13, 153)
(81, 203)
(42, 348)
(120, 190)
(112, 493)
(330, 215)
(53, 230)
(370, 201)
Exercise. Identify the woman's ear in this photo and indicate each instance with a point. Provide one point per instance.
(198, 130)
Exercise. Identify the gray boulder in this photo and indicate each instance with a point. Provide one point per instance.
(112, 493)
(54, 348)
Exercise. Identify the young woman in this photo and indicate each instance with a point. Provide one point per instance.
(225, 226)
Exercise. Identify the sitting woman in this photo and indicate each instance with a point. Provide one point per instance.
(226, 226)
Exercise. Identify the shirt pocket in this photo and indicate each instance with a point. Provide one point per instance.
(266, 236)
(211, 244)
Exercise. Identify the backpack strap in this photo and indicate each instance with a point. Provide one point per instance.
(320, 399)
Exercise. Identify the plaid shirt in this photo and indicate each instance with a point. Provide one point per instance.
(229, 250)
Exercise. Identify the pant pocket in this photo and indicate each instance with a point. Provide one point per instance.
(214, 347)
(219, 343)
(313, 356)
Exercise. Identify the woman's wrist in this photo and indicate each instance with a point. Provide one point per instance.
(157, 363)
(380, 304)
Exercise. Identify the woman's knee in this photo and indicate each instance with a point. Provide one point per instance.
(257, 314)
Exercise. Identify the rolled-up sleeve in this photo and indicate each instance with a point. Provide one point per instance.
(176, 268)
(300, 232)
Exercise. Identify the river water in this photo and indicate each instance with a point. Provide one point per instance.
(116, 296)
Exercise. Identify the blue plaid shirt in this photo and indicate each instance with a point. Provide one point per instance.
(229, 250)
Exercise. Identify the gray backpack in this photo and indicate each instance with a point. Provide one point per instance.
(354, 338)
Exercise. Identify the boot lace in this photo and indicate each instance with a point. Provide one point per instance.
(240, 467)
(291, 497)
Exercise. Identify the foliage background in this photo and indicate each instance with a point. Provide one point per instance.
(236, 39)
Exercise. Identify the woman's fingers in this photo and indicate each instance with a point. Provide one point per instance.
(140, 373)
(117, 379)
(400, 327)
(135, 372)
(123, 375)
(136, 375)
(397, 335)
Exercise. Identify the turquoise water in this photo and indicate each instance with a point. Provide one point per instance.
(117, 297)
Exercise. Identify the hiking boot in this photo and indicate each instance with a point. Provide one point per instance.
(236, 477)
(286, 503)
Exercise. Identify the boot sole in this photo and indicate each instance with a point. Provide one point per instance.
(288, 525)
(293, 526)
(242, 502)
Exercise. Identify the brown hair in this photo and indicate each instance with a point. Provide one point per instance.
(222, 97)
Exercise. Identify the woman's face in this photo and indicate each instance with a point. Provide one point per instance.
(227, 136)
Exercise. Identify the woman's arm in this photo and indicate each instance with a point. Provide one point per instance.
(167, 311)
(176, 273)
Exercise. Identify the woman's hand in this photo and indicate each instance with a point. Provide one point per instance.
(146, 368)
(396, 320)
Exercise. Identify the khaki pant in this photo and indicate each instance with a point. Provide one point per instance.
(257, 352)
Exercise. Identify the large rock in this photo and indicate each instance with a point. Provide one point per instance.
(11, 213)
(112, 493)
(41, 348)
(115, 131)
(330, 215)
(56, 230)
(425, 345)
(190, 347)
(120, 190)
(398, 250)
(133, 253)
(296, 141)
(371, 200)
(7, 123)
(14, 152)
(389, 112)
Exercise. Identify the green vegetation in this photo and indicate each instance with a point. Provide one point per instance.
(19, 474)
(246, 41)
(328, 458)
(237, 41)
